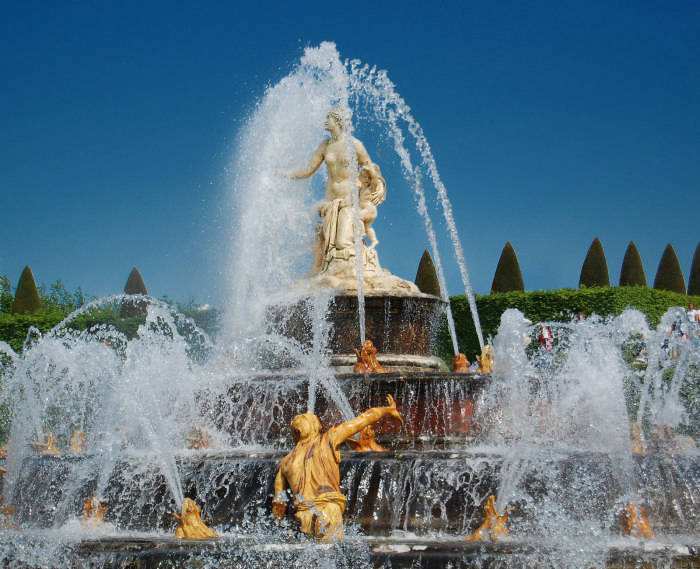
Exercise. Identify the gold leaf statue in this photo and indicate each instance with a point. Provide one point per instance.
(198, 439)
(485, 360)
(635, 523)
(78, 442)
(311, 473)
(460, 364)
(190, 524)
(93, 512)
(367, 359)
(366, 441)
(48, 446)
(3, 451)
(493, 527)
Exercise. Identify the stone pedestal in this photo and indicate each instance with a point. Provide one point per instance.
(402, 327)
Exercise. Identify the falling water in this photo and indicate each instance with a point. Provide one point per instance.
(388, 106)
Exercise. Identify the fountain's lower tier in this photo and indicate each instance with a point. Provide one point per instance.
(417, 492)
(241, 551)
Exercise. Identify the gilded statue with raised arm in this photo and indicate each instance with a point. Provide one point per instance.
(311, 473)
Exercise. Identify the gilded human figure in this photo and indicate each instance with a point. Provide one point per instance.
(335, 250)
(311, 473)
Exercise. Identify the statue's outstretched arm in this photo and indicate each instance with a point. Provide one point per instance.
(343, 432)
(279, 501)
(314, 164)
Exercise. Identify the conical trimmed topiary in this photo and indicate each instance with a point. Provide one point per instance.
(134, 285)
(426, 276)
(508, 277)
(694, 277)
(594, 271)
(669, 275)
(632, 272)
(27, 295)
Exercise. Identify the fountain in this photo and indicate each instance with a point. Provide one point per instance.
(531, 462)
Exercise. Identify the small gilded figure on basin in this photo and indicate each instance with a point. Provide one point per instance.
(460, 364)
(635, 523)
(198, 439)
(190, 524)
(93, 512)
(311, 473)
(366, 442)
(485, 360)
(367, 359)
(48, 446)
(493, 528)
(78, 442)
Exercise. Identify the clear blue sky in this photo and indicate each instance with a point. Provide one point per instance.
(552, 123)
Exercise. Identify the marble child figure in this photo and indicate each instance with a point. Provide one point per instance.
(372, 193)
(311, 471)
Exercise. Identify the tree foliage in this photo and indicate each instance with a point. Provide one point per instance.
(632, 272)
(507, 277)
(669, 275)
(134, 285)
(694, 277)
(594, 272)
(551, 305)
(426, 276)
(27, 298)
(6, 296)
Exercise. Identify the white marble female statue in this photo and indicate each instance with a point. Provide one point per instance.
(334, 250)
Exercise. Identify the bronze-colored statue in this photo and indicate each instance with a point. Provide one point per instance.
(190, 524)
(312, 475)
(93, 512)
(635, 522)
(78, 442)
(366, 441)
(3, 451)
(485, 360)
(198, 439)
(494, 526)
(3, 471)
(6, 513)
(48, 446)
(367, 359)
(460, 364)
(637, 436)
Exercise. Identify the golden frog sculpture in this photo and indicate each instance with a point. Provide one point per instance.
(494, 526)
(190, 524)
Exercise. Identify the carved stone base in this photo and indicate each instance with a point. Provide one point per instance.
(402, 327)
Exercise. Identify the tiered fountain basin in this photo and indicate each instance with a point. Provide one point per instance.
(401, 326)
(411, 506)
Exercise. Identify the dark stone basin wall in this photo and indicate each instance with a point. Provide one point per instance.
(417, 492)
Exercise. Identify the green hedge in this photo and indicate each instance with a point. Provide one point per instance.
(552, 305)
(14, 327)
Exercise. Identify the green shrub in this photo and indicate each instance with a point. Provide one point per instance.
(552, 305)
(669, 275)
(426, 276)
(6, 296)
(508, 277)
(27, 295)
(594, 272)
(694, 277)
(632, 272)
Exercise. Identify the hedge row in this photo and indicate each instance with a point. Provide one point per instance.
(14, 327)
(553, 305)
